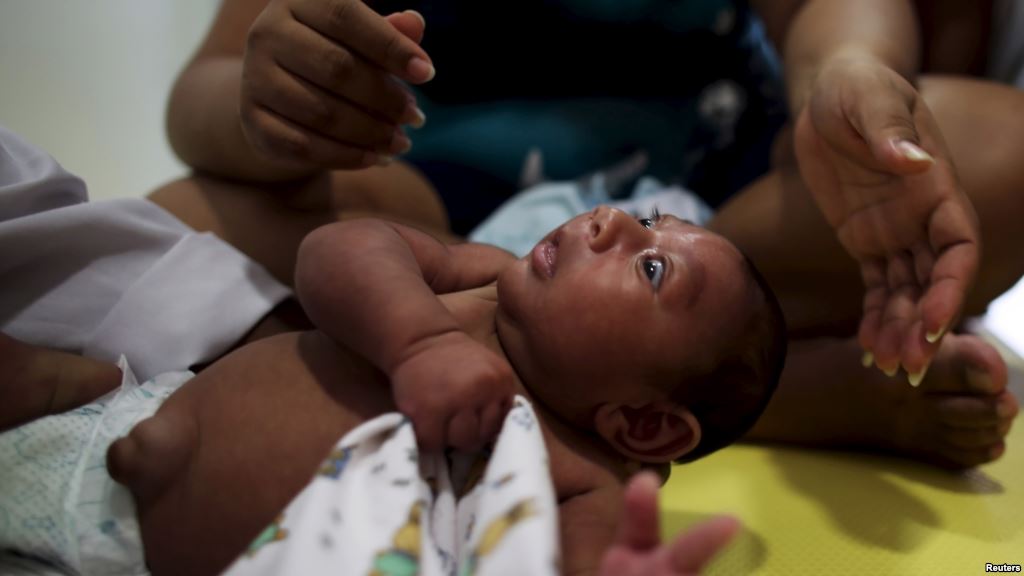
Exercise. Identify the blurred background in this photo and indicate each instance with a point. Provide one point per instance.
(89, 81)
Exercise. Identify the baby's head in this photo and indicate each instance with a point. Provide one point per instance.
(656, 334)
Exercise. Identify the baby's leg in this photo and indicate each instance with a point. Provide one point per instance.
(958, 417)
(267, 223)
(229, 450)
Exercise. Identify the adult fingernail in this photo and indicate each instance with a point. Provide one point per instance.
(384, 160)
(933, 337)
(916, 377)
(913, 152)
(423, 22)
(418, 117)
(867, 359)
(890, 373)
(420, 70)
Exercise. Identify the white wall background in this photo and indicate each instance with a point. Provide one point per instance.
(88, 81)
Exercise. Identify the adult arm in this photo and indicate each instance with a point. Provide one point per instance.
(873, 158)
(282, 89)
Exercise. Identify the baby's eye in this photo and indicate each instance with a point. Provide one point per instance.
(651, 220)
(654, 269)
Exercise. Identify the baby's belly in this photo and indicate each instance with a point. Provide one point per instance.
(252, 430)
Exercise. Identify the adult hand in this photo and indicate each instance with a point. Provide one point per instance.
(455, 391)
(872, 155)
(638, 549)
(320, 82)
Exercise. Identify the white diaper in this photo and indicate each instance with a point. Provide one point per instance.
(57, 501)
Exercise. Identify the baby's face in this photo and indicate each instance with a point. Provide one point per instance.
(607, 303)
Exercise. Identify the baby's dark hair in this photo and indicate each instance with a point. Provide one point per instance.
(729, 399)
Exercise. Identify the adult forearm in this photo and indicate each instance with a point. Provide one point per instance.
(821, 30)
(205, 131)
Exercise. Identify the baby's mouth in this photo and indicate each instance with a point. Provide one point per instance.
(544, 256)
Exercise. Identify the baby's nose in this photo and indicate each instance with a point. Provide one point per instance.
(609, 227)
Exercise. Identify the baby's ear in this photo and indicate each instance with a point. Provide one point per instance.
(657, 432)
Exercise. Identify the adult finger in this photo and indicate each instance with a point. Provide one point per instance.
(410, 23)
(900, 312)
(639, 528)
(336, 69)
(886, 120)
(694, 549)
(280, 137)
(876, 294)
(953, 234)
(324, 113)
(355, 25)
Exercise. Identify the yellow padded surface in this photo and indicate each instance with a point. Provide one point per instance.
(811, 512)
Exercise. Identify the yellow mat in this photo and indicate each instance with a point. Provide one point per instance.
(809, 512)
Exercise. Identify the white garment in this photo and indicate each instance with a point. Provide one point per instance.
(523, 220)
(116, 277)
(57, 501)
(380, 507)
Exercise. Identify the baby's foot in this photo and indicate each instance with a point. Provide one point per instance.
(960, 414)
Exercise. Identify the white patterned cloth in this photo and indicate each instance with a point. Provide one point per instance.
(378, 507)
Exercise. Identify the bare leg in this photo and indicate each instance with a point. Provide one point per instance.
(958, 417)
(268, 223)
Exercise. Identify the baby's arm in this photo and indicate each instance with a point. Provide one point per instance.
(372, 286)
(614, 532)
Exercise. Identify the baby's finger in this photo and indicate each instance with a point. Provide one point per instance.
(430, 432)
(491, 420)
(694, 549)
(464, 431)
(355, 25)
(335, 69)
(639, 528)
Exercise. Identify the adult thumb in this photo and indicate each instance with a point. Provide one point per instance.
(888, 125)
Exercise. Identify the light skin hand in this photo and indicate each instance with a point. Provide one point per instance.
(454, 390)
(320, 82)
(872, 155)
(638, 549)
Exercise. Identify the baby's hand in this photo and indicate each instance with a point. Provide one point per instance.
(455, 391)
(638, 549)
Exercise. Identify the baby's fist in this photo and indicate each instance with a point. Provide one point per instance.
(455, 391)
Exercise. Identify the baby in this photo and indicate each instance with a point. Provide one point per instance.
(638, 341)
